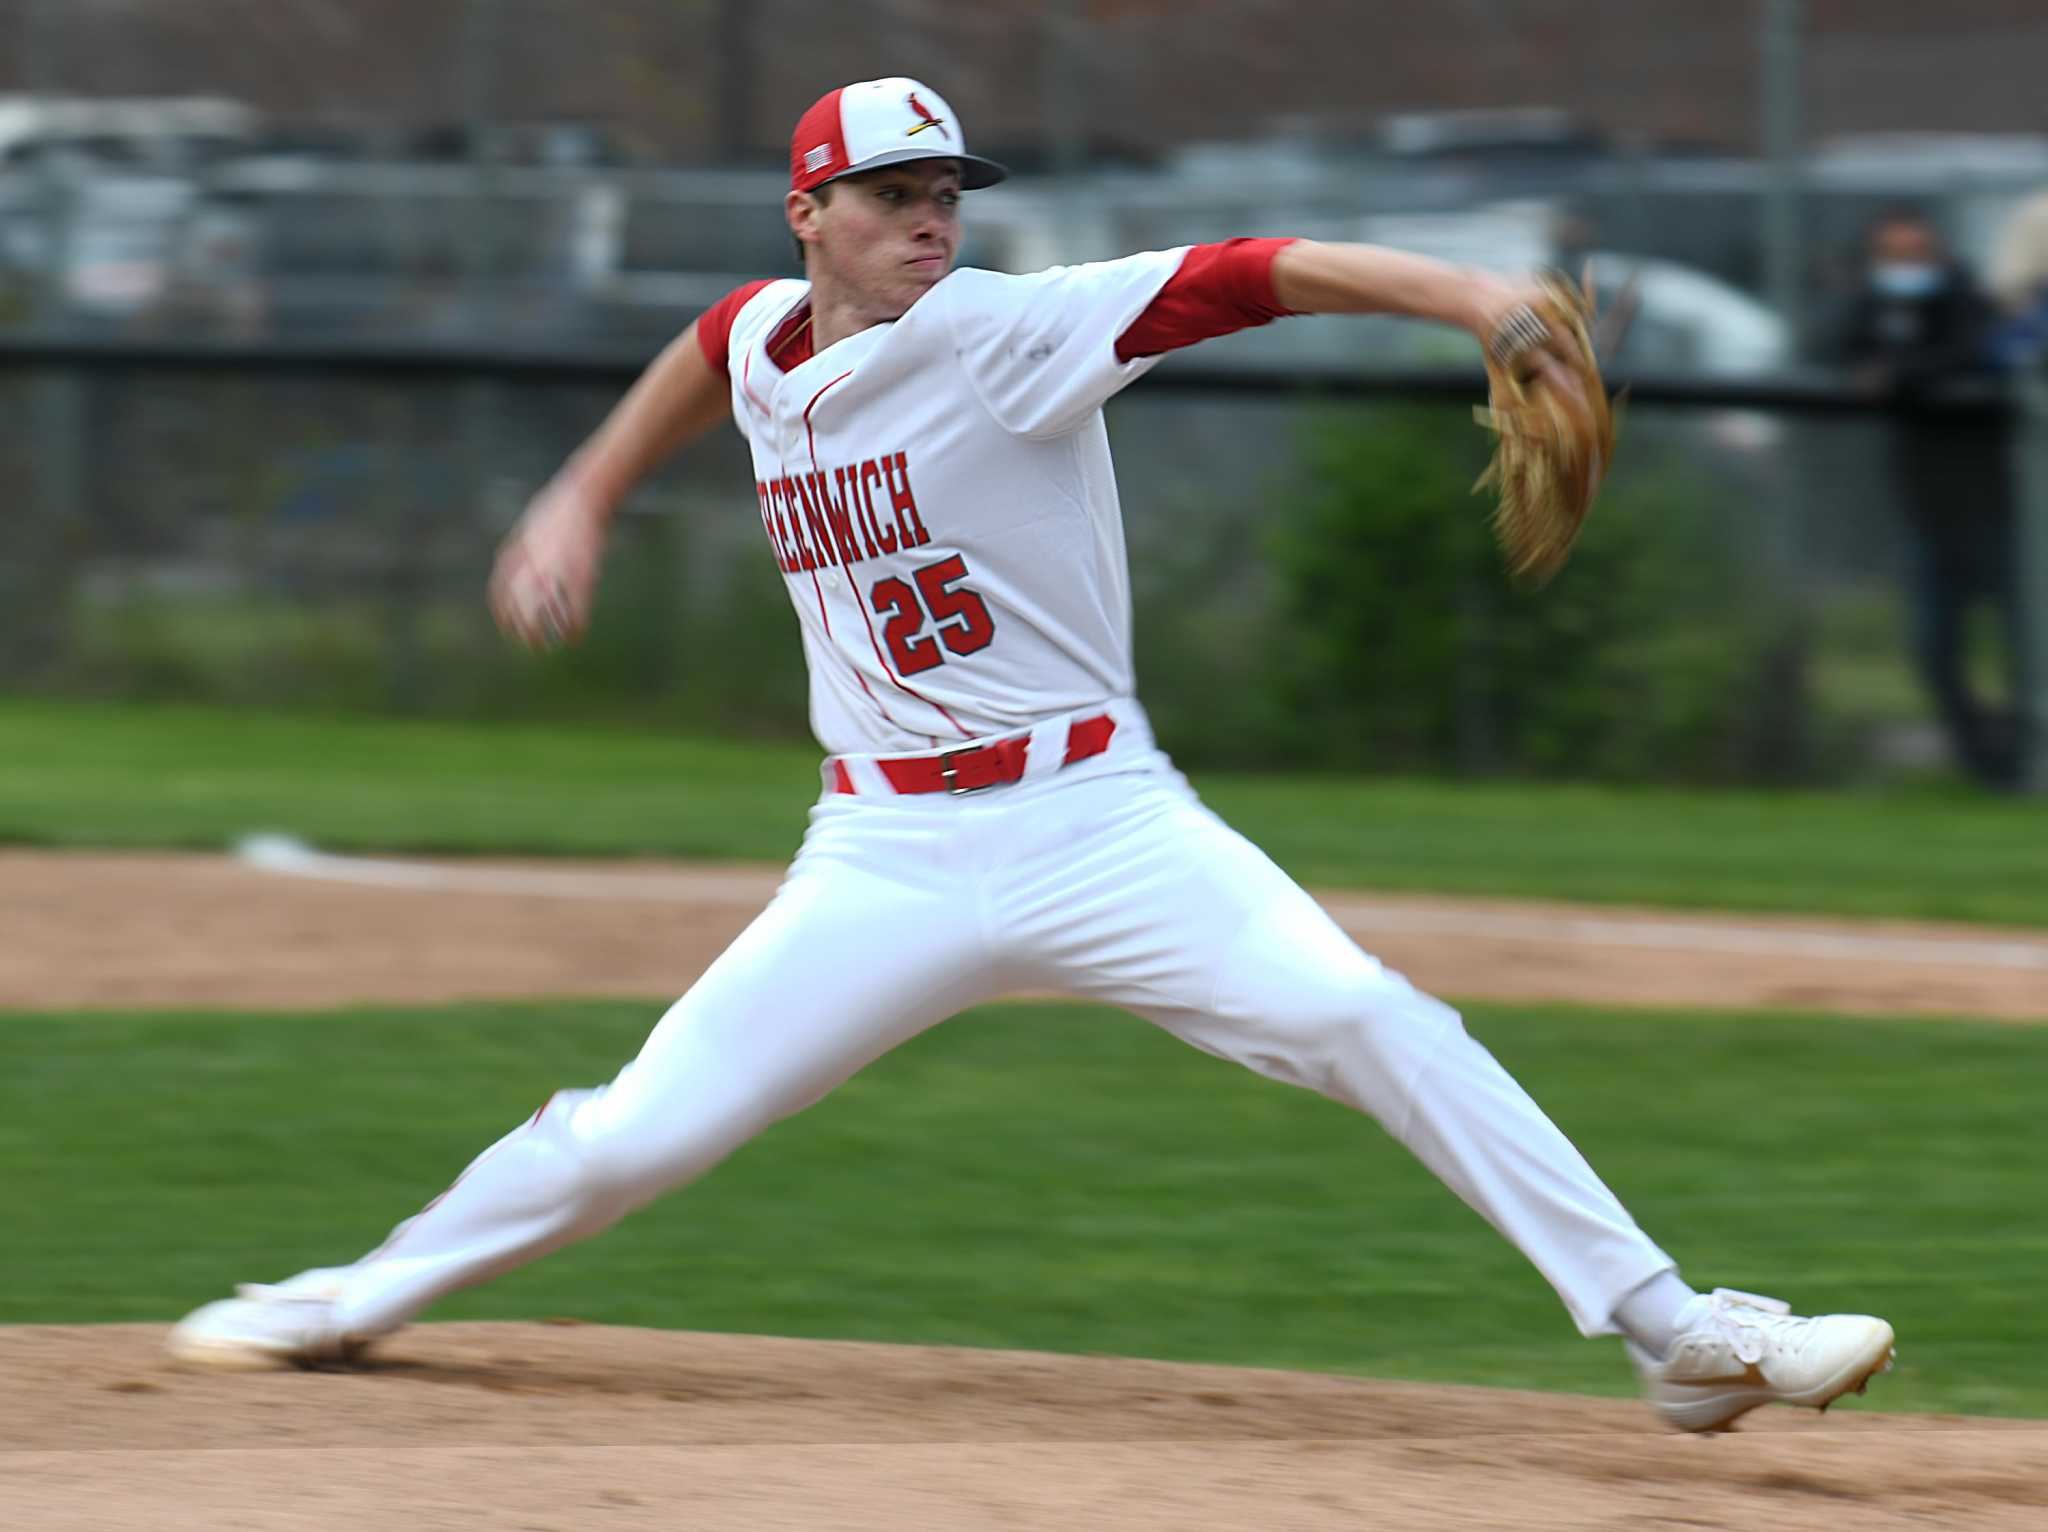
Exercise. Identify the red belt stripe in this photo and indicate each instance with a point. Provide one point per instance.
(978, 766)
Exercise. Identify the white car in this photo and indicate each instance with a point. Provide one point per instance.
(1690, 323)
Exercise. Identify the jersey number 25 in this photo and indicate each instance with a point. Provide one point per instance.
(961, 617)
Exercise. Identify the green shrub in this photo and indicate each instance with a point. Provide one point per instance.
(1401, 644)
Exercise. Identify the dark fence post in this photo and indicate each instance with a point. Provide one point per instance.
(2030, 476)
(53, 541)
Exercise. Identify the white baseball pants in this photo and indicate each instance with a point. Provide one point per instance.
(1109, 881)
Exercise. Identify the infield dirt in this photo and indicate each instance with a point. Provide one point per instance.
(168, 930)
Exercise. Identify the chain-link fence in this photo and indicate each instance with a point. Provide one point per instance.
(1744, 606)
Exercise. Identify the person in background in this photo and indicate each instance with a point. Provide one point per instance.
(2019, 280)
(1917, 324)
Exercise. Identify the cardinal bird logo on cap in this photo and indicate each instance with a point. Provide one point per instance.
(926, 119)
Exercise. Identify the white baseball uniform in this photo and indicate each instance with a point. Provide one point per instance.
(938, 493)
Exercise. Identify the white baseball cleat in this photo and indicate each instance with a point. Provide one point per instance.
(266, 1325)
(1747, 1351)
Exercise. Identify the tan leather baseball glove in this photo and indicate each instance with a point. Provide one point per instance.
(1553, 423)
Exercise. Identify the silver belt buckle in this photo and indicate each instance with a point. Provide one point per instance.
(950, 775)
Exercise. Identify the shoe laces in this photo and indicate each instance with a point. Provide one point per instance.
(1746, 1320)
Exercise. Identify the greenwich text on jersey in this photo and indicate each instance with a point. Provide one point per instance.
(841, 515)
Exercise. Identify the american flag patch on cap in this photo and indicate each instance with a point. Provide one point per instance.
(818, 158)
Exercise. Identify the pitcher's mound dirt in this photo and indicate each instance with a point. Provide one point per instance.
(567, 1428)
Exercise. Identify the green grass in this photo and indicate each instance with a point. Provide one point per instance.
(1064, 1178)
(74, 774)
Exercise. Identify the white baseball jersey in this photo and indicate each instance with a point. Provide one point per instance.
(939, 494)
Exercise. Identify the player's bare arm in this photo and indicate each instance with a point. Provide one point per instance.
(1311, 277)
(546, 574)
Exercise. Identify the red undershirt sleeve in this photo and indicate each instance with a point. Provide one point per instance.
(1219, 289)
(714, 325)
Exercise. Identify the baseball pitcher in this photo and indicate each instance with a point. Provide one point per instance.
(933, 479)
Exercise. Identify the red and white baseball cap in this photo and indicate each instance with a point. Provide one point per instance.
(876, 123)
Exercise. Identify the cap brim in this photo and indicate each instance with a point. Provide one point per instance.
(975, 172)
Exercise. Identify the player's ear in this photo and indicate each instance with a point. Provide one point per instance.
(802, 209)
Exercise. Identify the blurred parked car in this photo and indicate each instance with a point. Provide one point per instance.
(174, 133)
(1689, 322)
(105, 205)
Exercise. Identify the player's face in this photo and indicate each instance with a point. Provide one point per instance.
(888, 235)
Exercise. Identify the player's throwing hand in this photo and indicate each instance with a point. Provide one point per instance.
(546, 574)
